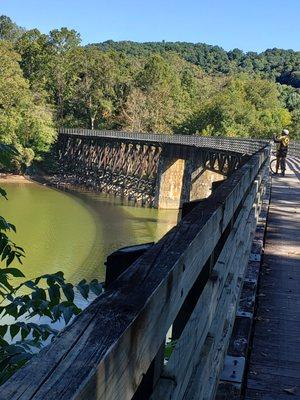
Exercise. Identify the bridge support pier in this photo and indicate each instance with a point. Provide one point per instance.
(170, 183)
(203, 183)
(181, 180)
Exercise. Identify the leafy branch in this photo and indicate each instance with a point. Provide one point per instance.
(46, 299)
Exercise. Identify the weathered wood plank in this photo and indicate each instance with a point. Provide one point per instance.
(205, 379)
(287, 370)
(275, 358)
(105, 352)
(262, 395)
(265, 382)
(208, 307)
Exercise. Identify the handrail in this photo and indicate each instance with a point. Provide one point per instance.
(294, 149)
(240, 145)
(110, 346)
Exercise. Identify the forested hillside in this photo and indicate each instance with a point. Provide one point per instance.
(280, 65)
(50, 80)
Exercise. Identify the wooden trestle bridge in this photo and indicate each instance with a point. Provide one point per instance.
(155, 170)
(198, 284)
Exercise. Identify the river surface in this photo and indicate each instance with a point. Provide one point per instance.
(74, 233)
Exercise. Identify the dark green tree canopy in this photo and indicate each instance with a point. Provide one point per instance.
(282, 65)
(9, 30)
(25, 119)
(170, 87)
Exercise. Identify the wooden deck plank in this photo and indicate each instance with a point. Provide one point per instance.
(261, 395)
(290, 370)
(281, 351)
(274, 335)
(260, 361)
(275, 358)
(265, 382)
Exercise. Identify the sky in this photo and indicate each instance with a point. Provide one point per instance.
(251, 25)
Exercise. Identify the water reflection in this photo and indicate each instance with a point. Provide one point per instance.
(75, 232)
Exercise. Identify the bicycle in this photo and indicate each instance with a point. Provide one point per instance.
(281, 164)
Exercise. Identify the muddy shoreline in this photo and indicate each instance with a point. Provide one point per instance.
(66, 183)
(56, 181)
(13, 178)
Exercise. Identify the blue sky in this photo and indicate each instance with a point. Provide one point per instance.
(246, 24)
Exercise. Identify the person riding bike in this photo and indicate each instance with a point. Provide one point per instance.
(282, 149)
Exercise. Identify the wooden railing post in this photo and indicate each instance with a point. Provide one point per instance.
(149, 380)
(115, 348)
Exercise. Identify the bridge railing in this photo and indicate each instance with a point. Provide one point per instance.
(189, 282)
(294, 149)
(239, 145)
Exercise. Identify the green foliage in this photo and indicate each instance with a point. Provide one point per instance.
(245, 106)
(155, 102)
(170, 346)
(48, 297)
(291, 77)
(7, 153)
(9, 30)
(50, 80)
(295, 125)
(163, 87)
(34, 49)
(290, 98)
(25, 120)
(63, 40)
(94, 94)
(282, 65)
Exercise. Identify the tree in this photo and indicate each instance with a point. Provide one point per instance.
(61, 81)
(62, 40)
(25, 121)
(290, 98)
(159, 86)
(95, 87)
(159, 99)
(35, 51)
(246, 106)
(295, 125)
(274, 64)
(9, 30)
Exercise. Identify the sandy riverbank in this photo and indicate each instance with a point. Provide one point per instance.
(11, 178)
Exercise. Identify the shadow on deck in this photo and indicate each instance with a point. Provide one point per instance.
(274, 371)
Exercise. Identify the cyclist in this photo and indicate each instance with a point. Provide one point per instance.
(282, 149)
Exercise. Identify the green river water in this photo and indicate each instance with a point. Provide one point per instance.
(74, 233)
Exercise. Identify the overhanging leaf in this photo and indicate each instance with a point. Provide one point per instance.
(3, 330)
(68, 291)
(14, 330)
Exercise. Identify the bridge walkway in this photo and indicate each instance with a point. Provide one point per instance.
(274, 372)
